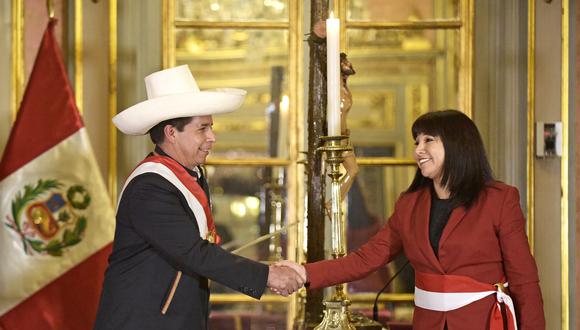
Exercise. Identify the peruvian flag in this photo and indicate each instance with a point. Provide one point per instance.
(56, 219)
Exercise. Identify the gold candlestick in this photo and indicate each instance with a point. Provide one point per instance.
(336, 314)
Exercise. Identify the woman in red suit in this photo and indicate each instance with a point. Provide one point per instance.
(463, 232)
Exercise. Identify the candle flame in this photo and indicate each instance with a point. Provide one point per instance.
(331, 14)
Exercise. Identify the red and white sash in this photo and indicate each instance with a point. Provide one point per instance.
(196, 198)
(448, 292)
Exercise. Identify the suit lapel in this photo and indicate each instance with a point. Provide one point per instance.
(457, 215)
(422, 214)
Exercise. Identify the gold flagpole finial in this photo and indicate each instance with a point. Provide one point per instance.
(50, 8)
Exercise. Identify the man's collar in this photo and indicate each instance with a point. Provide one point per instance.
(193, 172)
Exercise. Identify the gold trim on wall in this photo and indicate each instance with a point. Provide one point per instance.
(531, 118)
(295, 171)
(249, 162)
(564, 221)
(384, 297)
(230, 298)
(112, 180)
(168, 33)
(467, 11)
(78, 42)
(420, 25)
(386, 161)
(17, 71)
(232, 25)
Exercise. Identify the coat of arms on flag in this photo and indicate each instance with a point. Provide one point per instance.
(48, 217)
(56, 219)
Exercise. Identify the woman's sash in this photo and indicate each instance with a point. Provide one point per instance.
(448, 292)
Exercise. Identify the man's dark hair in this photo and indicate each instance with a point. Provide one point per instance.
(156, 132)
(466, 169)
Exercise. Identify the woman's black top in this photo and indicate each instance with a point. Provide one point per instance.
(439, 215)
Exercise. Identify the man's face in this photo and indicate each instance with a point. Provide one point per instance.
(193, 144)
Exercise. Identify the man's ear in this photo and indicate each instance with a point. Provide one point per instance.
(169, 132)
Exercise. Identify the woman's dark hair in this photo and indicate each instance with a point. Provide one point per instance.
(465, 168)
(156, 132)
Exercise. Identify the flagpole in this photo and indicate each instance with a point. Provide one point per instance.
(78, 58)
(50, 8)
(112, 181)
(17, 78)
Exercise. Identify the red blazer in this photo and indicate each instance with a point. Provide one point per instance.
(486, 242)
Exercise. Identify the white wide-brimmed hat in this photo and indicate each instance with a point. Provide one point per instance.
(173, 93)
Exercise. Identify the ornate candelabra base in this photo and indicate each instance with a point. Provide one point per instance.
(336, 316)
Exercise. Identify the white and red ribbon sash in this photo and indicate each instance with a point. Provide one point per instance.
(448, 292)
(196, 198)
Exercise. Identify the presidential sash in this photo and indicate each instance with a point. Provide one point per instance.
(196, 198)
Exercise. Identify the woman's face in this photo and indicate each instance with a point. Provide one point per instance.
(430, 156)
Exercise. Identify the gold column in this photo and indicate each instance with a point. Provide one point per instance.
(296, 134)
(168, 33)
(466, 77)
(564, 221)
(531, 118)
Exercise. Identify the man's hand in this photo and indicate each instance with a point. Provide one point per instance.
(284, 280)
(296, 267)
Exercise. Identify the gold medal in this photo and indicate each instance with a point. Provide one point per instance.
(211, 237)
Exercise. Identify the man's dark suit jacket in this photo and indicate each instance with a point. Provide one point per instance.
(157, 235)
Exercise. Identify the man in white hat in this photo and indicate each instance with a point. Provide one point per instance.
(165, 247)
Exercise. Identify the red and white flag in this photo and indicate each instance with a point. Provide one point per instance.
(56, 218)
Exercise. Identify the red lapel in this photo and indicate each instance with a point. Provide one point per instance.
(455, 218)
(421, 216)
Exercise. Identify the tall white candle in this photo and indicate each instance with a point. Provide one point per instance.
(333, 75)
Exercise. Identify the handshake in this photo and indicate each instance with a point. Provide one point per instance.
(286, 277)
